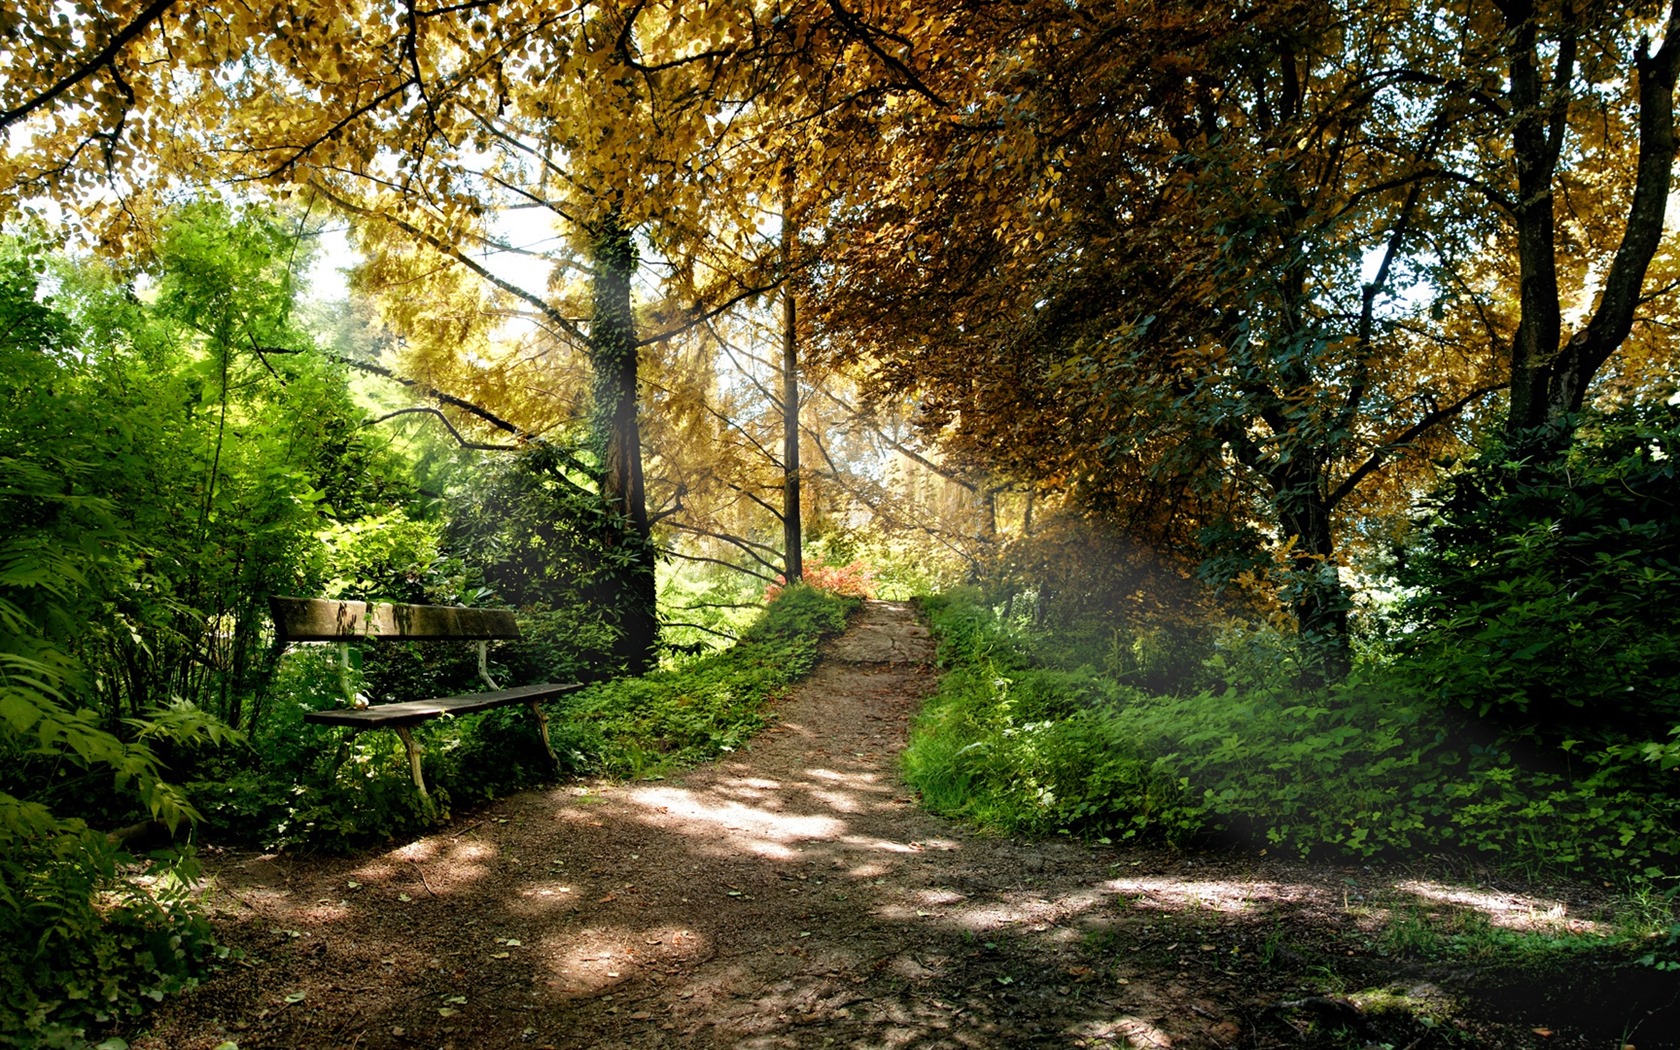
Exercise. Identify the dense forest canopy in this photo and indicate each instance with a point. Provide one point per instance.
(1261, 349)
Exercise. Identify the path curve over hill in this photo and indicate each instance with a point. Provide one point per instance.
(791, 895)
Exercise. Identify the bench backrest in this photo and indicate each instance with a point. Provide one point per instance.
(323, 620)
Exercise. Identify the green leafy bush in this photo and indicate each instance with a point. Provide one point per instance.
(646, 726)
(85, 934)
(1547, 592)
(90, 937)
(1365, 767)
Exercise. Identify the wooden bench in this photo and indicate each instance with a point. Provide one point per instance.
(325, 620)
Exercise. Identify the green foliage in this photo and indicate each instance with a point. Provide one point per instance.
(801, 613)
(703, 606)
(167, 457)
(91, 936)
(1547, 592)
(1360, 768)
(219, 448)
(84, 934)
(537, 525)
(646, 726)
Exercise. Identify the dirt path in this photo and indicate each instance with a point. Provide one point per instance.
(795, 896)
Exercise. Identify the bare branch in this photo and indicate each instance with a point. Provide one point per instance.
(1406, 437)
(699, 627)
(673, 553)
(456, 434)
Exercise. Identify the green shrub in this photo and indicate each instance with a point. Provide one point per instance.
(646, 726)
(89, 936)
(85, 934)
(1547, 593)
(1362, 768)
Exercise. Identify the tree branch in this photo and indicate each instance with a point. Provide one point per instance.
(863, 34)
(1410, 434)
(673, 553)
(745, 546)
(436, 243)
(699, 627)
(105, 56)
(456, 434)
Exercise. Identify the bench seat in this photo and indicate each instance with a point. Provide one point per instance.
(413, 712)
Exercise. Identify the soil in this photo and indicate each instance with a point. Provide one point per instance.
(794, 895)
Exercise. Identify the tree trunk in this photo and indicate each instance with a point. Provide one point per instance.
(1535, 150)
(613, 355)
(1315, 592)
(793, 560)
(1550, 376)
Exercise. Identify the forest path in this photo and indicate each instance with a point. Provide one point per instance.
(791, 895)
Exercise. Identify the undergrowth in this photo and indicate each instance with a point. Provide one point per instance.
(1361, 768)
(91, 936)
(640, 727)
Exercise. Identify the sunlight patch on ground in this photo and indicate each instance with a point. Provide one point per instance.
(325, 911)
(1132, 1032)
(940, 896)
(938, 844)
(418, 850)
(1035, 912)
(546, 897)
(1512, 911)
(868, 782)
(461, 862)
(879, 845)
(593, 961)
(1231, 897)
(838, 801)
(742, 827)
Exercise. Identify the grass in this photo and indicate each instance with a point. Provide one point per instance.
(648, 726)
(1246, 755)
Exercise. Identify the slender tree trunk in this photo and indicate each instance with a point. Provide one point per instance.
(793, 560)
(1550, 376)
(1315, 592)
(1535, 150)
(613, 354)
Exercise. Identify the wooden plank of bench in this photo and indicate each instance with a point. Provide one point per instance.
(413, 712)
(324, 620)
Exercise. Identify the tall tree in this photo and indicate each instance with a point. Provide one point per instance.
(1608, 96)
(1218, 278)
(793, 559)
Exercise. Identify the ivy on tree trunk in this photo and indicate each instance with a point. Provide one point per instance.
(613, 356)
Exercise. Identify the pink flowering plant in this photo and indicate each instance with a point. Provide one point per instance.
(846, 581)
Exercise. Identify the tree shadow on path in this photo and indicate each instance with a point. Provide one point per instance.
(792, 895)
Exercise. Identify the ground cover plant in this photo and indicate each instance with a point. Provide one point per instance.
(1362, 767)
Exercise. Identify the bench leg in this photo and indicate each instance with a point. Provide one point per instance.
(339, 755)
(542, 731)
(414, 762)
